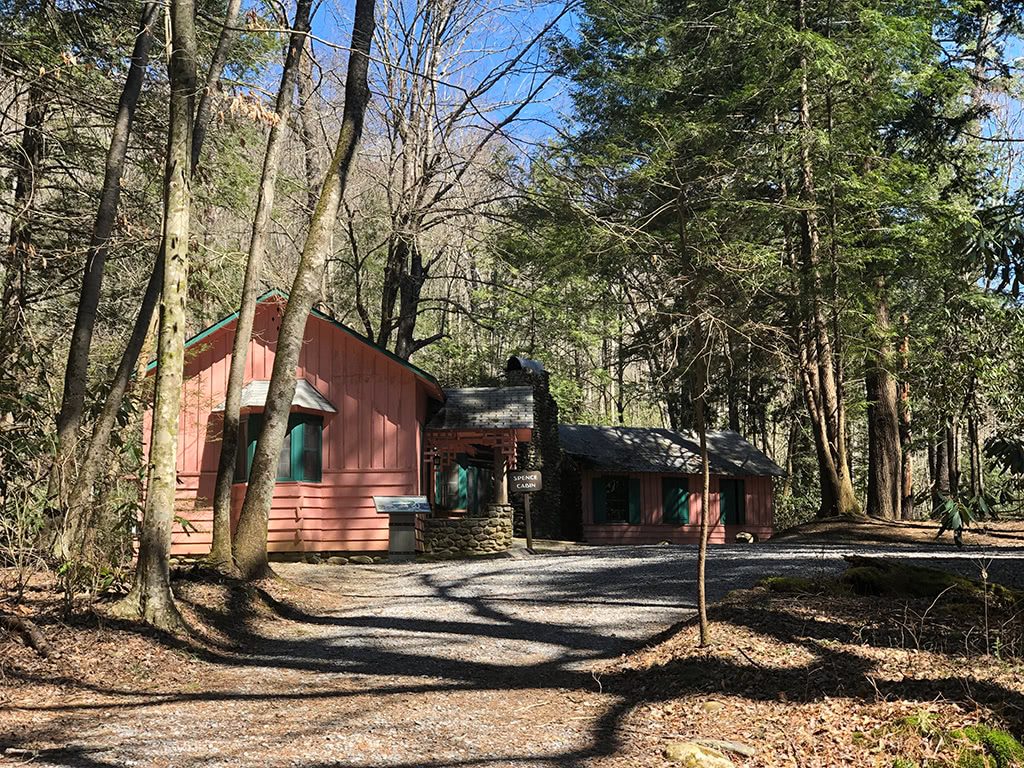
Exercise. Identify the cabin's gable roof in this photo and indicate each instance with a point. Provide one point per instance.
(279, 295)
(642, 449)
(472, 408)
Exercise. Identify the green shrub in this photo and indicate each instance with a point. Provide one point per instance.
(792, 585)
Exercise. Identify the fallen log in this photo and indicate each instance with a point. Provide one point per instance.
(33, 634)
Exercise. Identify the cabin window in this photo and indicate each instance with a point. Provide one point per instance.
(463, 486)
(616, 499)
(732, 497)
(301, 457)
(675, 495)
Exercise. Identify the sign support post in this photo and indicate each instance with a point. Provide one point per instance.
(529, 524)
(526, 483)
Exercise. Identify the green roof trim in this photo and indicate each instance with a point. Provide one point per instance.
(279, 294)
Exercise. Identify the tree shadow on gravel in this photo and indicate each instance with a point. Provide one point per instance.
(351, 643)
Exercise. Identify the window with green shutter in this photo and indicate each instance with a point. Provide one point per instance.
(675, 495)
(301, 457)
(599, 499)
(616, 499)
(732, 499)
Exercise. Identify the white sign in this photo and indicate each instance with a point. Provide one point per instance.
(401, 505)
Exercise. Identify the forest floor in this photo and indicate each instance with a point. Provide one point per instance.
(585, 659)
(1008, 533)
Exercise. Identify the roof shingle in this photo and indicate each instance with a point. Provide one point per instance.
(485, 408)
(641, 449)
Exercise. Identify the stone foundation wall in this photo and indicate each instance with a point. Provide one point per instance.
(488, 533)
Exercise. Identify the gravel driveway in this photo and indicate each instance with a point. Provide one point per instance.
(567, 609)
(483, 663)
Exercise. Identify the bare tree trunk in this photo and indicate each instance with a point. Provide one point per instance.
(18, 262)
(732, 386)
(228, 33)
(699, 399)
(307, 127)
(940, 478)
(974, 448)
(838, 497)
(220, 550)
(884, 454)
(620, 370)
(150, 597)
(250, 543)
(953, 457)
(69, 419)
(906, 434)
(77, 516)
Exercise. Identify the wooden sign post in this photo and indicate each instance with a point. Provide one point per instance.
(526, 483)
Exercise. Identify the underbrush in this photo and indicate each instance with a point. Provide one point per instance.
(885, 665)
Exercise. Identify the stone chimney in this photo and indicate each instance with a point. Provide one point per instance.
(543, 453)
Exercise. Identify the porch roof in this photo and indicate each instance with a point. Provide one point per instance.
(254, 395)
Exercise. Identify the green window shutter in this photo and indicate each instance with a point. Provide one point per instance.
(725, 500)
(254, 426)
(471, 490)
(438, 488)
(310, 443)
(599, 500)
(634, 501)
(732, 499)
(241, 453)
(463, 500)
(675, 500)
(740, 511)
(297, 433)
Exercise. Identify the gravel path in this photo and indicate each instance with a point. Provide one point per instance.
(483, 663)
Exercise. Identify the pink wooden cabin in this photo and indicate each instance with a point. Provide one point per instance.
(643, 486)
(356, 431)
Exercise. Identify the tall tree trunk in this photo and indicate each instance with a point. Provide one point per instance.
(307, 127)
(69, 419)
(18, 262)
(620, 370)
(977, 478)
(940, 478)
(884, 459)
(906, 434)
(838, 497)
(94, 457)
(411, 290)
(732, 385)
(228, 33)
(150, 597)
(220, 550)
(250, 543)
(700, 379)
(953, 457)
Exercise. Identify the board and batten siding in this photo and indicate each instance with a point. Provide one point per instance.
(371, 446)
(651, 529)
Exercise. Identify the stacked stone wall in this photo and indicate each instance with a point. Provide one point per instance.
(485, 534)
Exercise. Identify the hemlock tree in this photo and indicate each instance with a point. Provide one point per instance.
(150, 597)
(250, 543)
